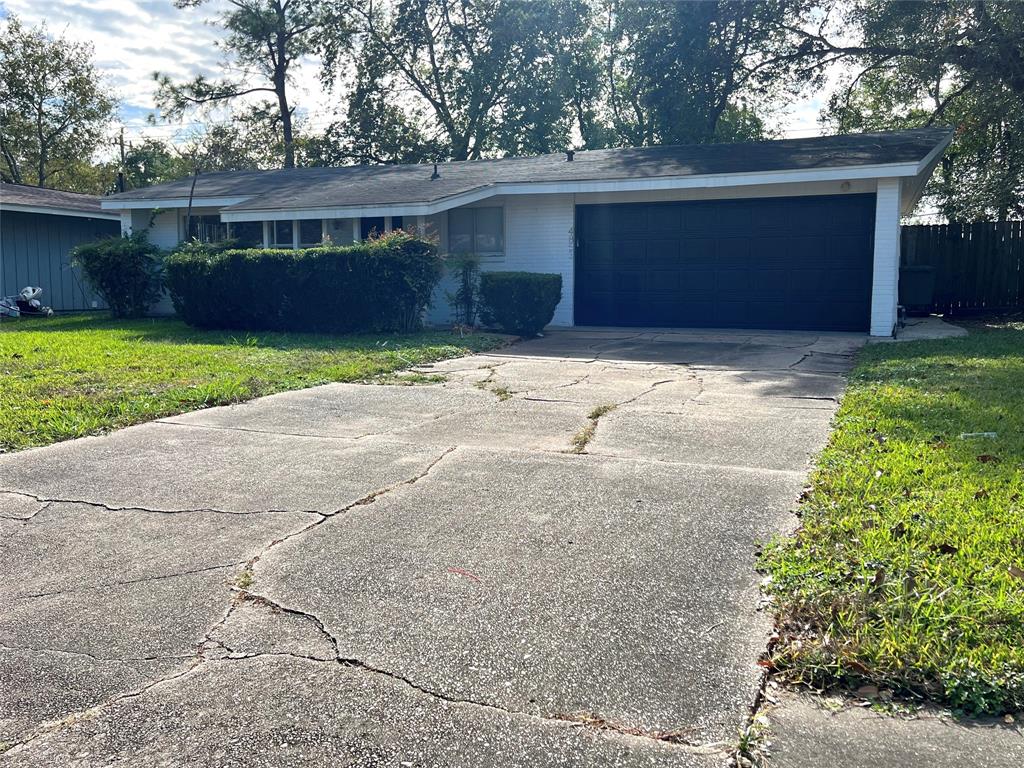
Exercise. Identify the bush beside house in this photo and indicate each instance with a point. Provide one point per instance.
(124, 271)
(383, 284)
(519, 302)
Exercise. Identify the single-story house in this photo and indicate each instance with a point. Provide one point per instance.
(38, 229)
(789, 234)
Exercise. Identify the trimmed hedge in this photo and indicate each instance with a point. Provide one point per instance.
(382, 284)
(519, 302)
(123, 270)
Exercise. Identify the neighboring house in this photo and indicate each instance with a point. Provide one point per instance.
(798, 233)
(38, 229)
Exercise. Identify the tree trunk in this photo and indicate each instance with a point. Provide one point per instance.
(460, 147)
(286, 120)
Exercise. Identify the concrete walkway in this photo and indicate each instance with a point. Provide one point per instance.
(483, 570)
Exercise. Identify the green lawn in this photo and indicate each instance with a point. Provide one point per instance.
(908, 570)
(72, 376)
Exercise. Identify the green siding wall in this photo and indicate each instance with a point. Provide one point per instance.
(34, 249)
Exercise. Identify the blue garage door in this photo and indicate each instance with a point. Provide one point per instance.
(777, 263)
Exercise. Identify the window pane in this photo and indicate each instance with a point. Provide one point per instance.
(249, 234)
(340, 231)
(283, 234)
(490, 236)
(460, 230)
(206, 228)
(310, 231)
(396, 222)
(372, 225)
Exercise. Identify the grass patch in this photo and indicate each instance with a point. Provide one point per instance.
(79, 375)
(908, 570)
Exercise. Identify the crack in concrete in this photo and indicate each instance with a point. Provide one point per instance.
(673, 737)
(42, 507)
(47, 501)
(363, 501)
(647, 391)
(129, 582)
(253, 430)
(96, 709)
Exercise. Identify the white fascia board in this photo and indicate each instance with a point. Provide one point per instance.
(361, 211)
(843, 173)
(932, 158)
(60, 211)
(171, 202)
(912, 189)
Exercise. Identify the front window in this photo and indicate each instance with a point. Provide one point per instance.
(340, 231)
(371, 226)
(206, 228)
(311, 232)
(281, 234)
(247, 234)
(477, 230)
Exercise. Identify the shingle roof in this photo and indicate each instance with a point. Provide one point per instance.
(38, 197)
(299, 188)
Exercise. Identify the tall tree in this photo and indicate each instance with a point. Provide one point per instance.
(483, 71)
(264, 40)
(374, 127)
(956, 62)
(54, 106)
(685, 72)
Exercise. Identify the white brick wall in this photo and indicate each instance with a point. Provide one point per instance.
(885, 284)
(538, 238)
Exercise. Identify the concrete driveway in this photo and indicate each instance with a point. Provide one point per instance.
(422, 574)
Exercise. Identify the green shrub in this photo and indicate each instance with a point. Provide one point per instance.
(465, 299)
(382, 284)
(123, 270)
(519, 302)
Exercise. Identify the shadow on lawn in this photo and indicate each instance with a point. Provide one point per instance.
(170, 330)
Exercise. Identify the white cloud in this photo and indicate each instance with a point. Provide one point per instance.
(135, 38)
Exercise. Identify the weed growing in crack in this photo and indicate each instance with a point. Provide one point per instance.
(582, 438)
(502, 393)
(244, 580)
(752, 746)
(411, 379)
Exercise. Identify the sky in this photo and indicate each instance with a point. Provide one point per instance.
(133, 39)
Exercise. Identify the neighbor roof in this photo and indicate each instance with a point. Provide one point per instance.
(381, 185)
(22, 197)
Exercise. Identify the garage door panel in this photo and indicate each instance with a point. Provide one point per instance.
(627, 220)
(662, 254)
(665, 218)
(698, 251)
(802, 263)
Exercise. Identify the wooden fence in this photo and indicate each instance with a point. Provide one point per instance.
(977, 266)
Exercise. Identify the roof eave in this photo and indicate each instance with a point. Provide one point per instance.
(56, 211)
(427, 208)
(136, 203)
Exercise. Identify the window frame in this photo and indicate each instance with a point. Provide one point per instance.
(201, 221)
(474, 214)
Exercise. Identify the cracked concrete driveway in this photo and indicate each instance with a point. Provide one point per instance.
(479, 571)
